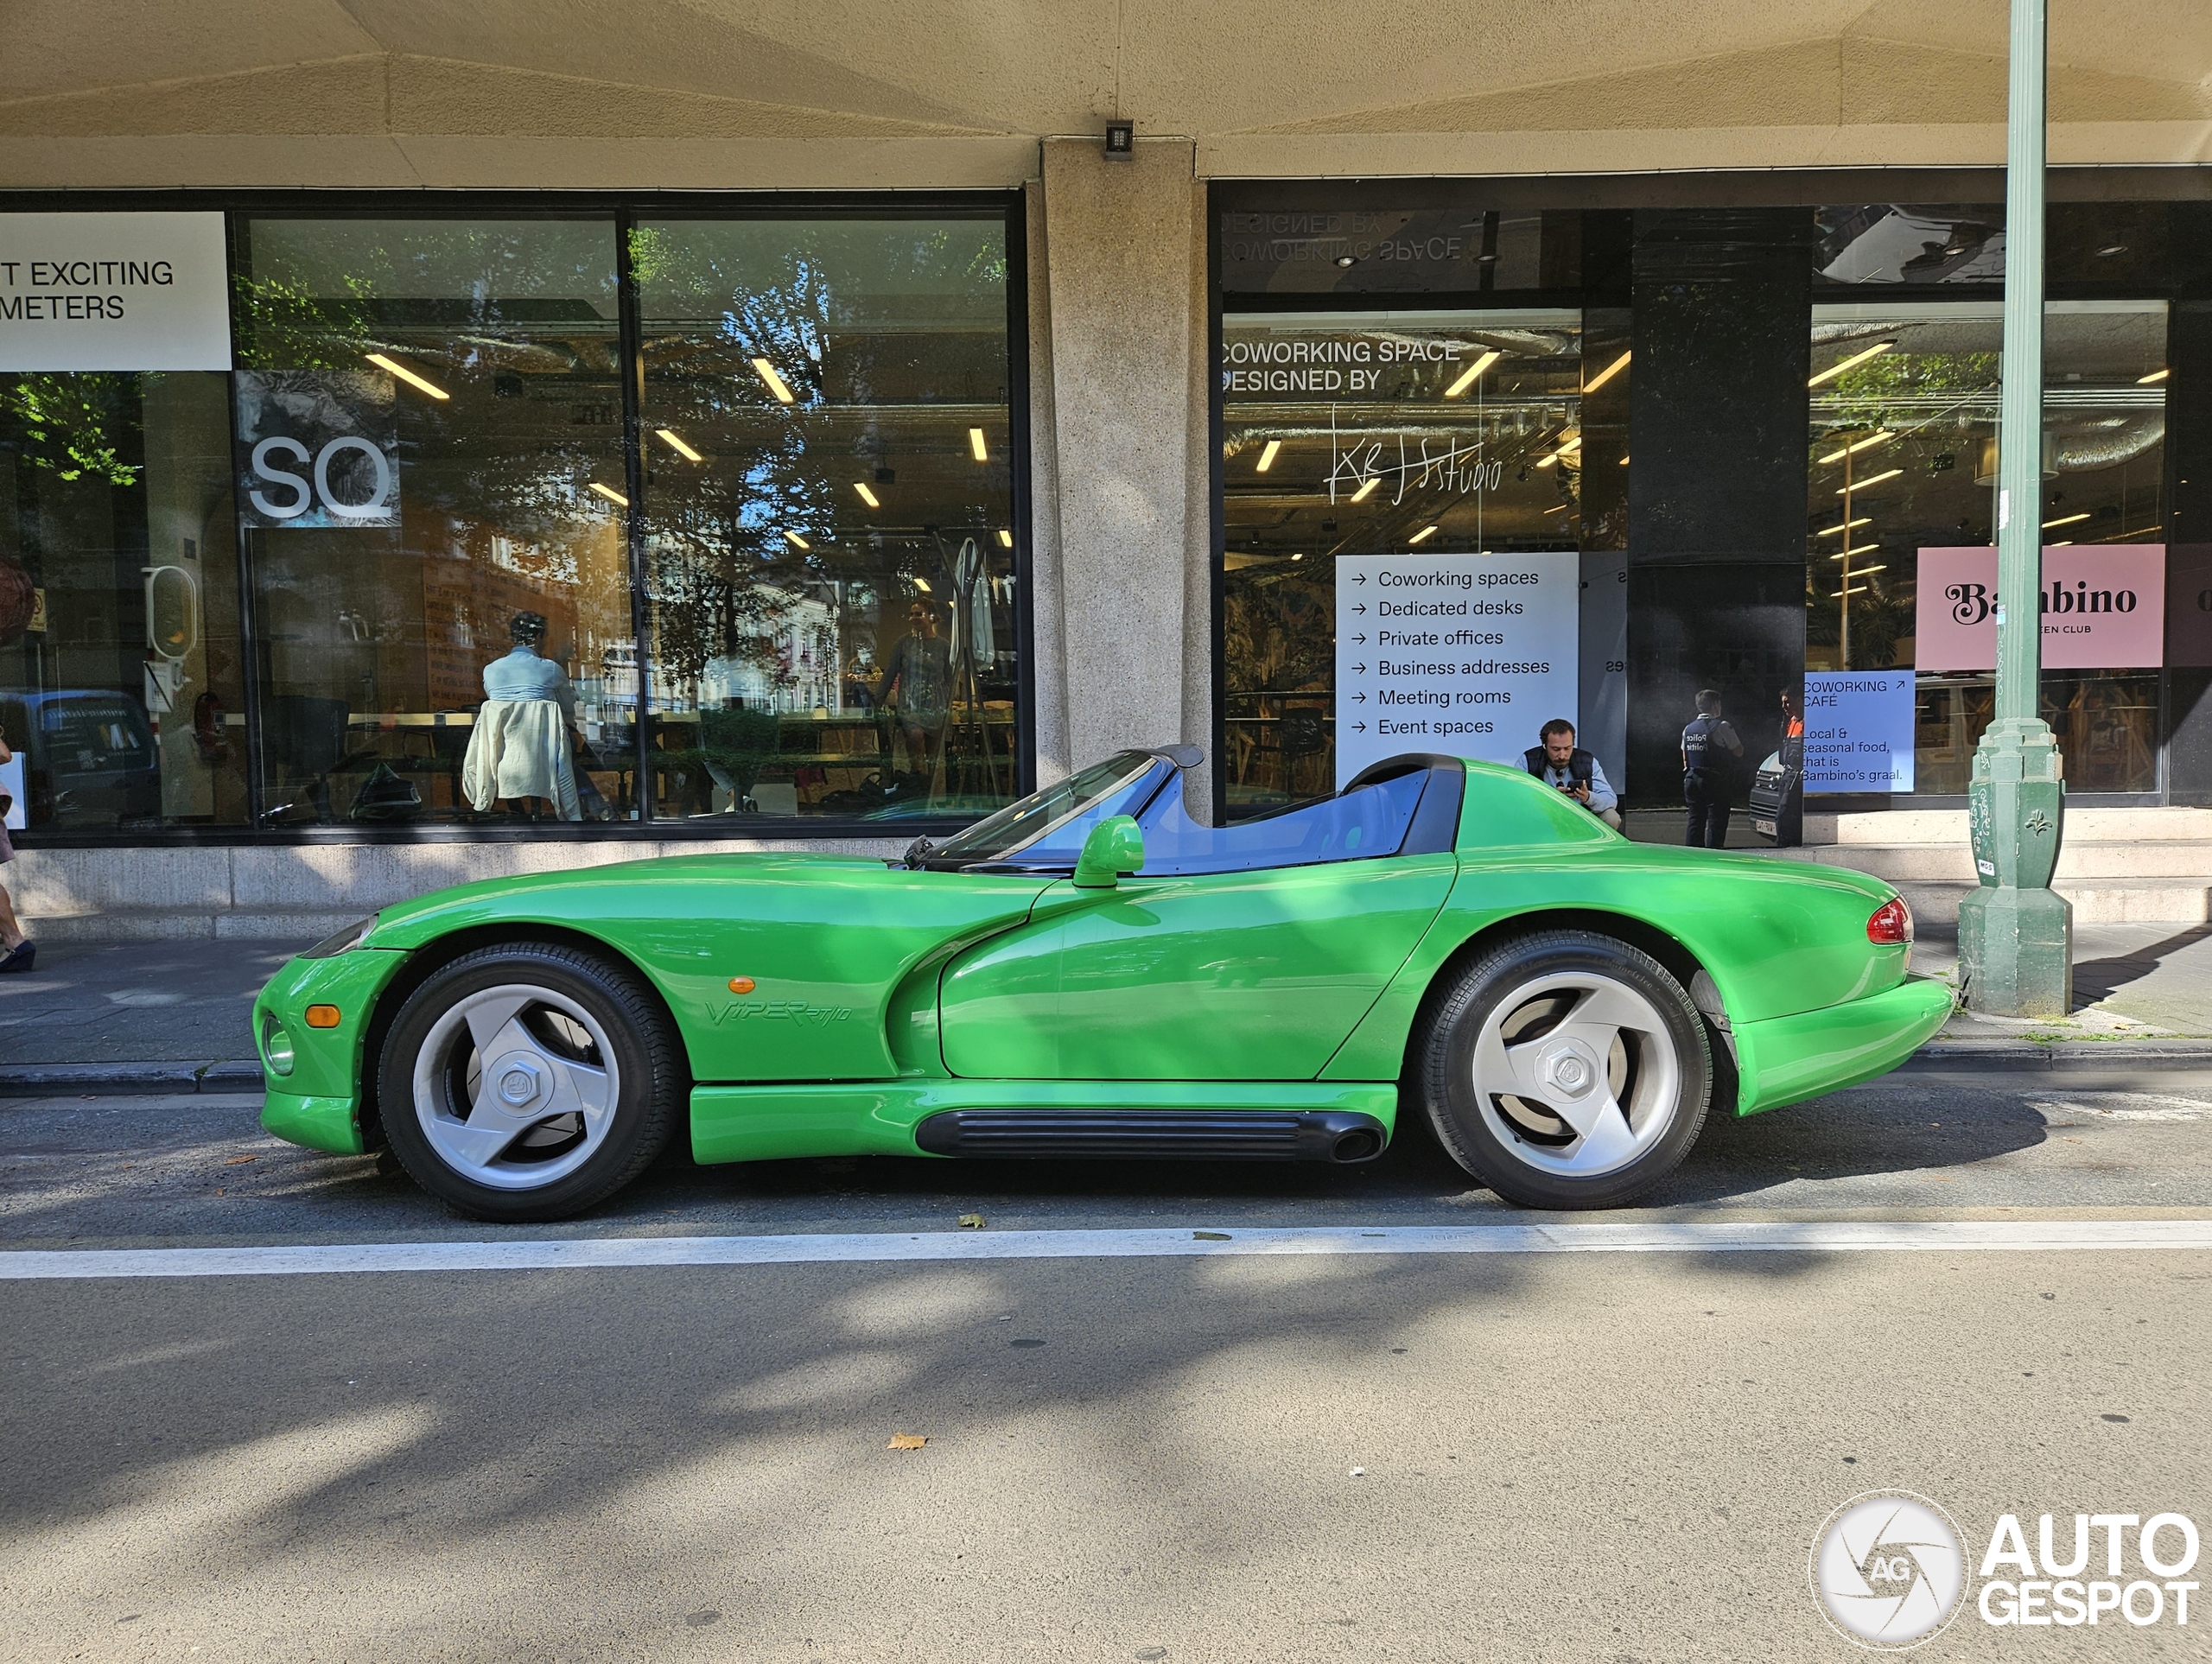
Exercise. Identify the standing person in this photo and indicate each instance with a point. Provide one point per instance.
(1710, 748)
(917, 685)
(520, 749)
(1559, 763)
(17, 952)
(1789, 815)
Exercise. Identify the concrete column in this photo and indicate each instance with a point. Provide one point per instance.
(1121, 585)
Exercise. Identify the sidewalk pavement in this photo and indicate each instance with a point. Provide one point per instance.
(176, 1016)
(168, 1016)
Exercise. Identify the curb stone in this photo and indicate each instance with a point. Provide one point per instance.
(64, 1079)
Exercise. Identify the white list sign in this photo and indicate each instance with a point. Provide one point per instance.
(113, 291)
(1469, 655)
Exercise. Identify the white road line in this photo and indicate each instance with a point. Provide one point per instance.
(614, 1252)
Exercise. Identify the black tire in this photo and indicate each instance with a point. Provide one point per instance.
(1594, 1126)
(590, 1081)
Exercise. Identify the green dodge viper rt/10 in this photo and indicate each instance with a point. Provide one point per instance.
(1090, 972)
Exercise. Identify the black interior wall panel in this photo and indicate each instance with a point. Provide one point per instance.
(1717, 402)
(1736, 625)
(2188, 552)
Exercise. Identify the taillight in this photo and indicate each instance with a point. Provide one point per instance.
(1891, 924)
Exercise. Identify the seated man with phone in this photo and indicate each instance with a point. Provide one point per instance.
(1559, 762)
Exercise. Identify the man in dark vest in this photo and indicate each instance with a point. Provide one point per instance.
(1559, 762)
(1710, 750)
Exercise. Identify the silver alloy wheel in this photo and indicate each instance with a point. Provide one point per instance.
(1576, 1073)
(515, 1087)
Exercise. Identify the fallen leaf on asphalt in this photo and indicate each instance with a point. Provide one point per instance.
(971, 1221)
(1209, 1236)
(240, 1161)
(908, 1441)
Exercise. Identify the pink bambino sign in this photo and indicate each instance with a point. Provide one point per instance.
(2104, 608)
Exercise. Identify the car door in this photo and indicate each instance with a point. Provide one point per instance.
(1240, 975)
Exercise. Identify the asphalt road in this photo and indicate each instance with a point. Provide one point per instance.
(1573, 1456)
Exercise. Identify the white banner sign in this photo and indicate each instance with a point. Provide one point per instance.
(1603, 722)
(113, 291)
(1469, 655)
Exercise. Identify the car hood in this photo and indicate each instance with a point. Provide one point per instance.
(665, 886)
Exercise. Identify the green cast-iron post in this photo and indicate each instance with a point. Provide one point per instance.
(2015, 932)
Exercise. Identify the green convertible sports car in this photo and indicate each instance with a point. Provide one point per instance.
(1090, 972)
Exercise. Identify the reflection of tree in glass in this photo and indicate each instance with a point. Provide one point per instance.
(282, 326)
(1895, 390)
(71, 423)
(520, 308)
(1913, 395)
(721, 563)
(1880, 619)
(1276, 635)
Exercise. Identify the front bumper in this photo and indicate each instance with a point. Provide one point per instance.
(319, 1104)
(1789, 1059)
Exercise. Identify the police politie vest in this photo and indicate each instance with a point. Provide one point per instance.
(1703, 756)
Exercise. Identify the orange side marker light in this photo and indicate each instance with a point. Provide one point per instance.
(740, 985)
(322, 1016)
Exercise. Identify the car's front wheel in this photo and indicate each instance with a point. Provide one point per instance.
(529, 1081)
(1565, 1070)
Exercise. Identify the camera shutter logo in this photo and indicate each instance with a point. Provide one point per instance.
(1888, 1570)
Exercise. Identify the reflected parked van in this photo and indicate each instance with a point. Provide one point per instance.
(89, 757)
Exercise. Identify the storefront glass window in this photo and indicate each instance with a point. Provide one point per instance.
(1368, 433)
(1902, 413)
(429, 430)
(119, 671)
(829, 513)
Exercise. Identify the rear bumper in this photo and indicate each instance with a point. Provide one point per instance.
(1787, 1059)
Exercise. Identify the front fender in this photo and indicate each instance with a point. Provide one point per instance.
(319, 1103)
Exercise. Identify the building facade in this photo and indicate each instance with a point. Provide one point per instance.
(425, 461)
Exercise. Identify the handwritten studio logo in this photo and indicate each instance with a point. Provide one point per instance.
(1888, 1570)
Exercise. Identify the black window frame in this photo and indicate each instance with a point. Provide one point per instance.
(623, 209)
(1809, 188)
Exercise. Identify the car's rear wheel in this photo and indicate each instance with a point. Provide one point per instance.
(529, 1081)
(1565, 1070)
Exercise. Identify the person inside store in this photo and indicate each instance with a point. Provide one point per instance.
(17, 952)
(1789, 815)
(1559, 763)
(915, 687)
(1711, 749)
(518, 751)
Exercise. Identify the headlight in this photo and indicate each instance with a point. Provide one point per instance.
(331, 946)
(277, 1047)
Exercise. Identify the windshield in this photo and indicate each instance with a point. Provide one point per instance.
(1060, 815)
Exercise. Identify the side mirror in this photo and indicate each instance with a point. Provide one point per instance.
(1115, 846)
